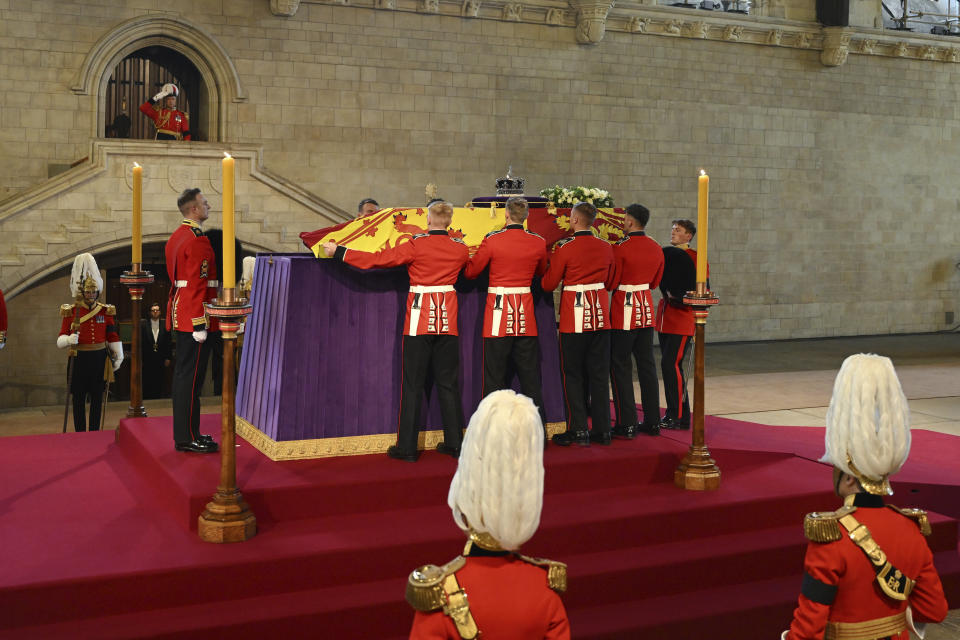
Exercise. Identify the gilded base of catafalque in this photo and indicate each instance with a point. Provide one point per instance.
(227, 518)
(347, 446)
(697, 471)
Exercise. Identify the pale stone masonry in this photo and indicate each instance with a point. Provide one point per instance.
(833, 203)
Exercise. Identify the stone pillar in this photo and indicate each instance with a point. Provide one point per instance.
(591, 19)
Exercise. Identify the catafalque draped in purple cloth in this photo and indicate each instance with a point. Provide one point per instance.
(321, 352)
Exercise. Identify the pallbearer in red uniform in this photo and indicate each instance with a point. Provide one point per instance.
(491, 591)
(515, 256)
(675, 322)
(584, 263)
(193, 275)
(171, 124)
(89, 329)
(638, 267)
(868, 572)
(433, 260)
(3, 322)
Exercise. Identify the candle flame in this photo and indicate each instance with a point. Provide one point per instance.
(702, 172)
(136, 166)
(226, 155)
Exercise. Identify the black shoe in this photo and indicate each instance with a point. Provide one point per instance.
(650, 429)
(568, 438)
(625, 432)
(666, 422)
(394, 452)
(681, 425)
(453, 452)
(205, 438)
(196, 446)
(602, 437)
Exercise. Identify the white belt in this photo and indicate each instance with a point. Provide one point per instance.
(497, 315)
(213, 283)
(594, 286)
(183, 283)
(419, 290)
(579, 308)
(180, 283)
(630, 302)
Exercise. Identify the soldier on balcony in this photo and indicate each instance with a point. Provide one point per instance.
(171, 123)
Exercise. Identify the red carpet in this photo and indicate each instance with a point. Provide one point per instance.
(98, 537)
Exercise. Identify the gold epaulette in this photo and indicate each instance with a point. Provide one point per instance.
(915, 514)
(556, 571)
(425, 585)
(824, 526)
(110, 310)
(66, 310)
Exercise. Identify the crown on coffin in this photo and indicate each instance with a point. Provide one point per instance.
(509, 185)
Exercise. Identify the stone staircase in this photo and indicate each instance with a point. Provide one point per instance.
(87, 208)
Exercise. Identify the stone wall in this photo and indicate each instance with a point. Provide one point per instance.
(831, 202)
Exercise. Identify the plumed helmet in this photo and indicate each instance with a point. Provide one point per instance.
(679, 273)
(171, 90)
(246, 281)
(497, 492)
(85, 276)
(868, 422)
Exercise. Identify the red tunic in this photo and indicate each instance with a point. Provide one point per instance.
(191, 266)
(515, 256)
(844, 565)
(584, 263)
(95, 331)
(509, 600)
(169, 121)
(674, 316)
(433, 262)
(638, 267)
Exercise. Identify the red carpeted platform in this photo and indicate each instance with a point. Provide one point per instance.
(98, 535)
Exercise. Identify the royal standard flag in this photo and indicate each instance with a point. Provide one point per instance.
(389, 227)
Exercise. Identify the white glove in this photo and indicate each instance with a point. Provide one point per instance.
(160, 96)
(169, 89)
(200, 336)
(65, 341)
(243, 326)
(116, 354)
(2, 345)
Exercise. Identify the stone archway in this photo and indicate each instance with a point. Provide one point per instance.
(220, 81)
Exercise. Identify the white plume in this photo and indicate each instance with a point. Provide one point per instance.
(84, 265)
(498, 487)
(868, 419)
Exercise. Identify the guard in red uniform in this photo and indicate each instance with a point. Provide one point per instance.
(491, 591)
(515, 256)
(638, 267)
(171, 123)
(868, 572)
(430, 338)
(3, 322)
(675, 322)
(584, 263)
(89, 329)
(193, 275)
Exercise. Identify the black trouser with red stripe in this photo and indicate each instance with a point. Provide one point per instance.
(673, 351)
(440, 355)
(524, 353)
(636, 343)
(189, 370)
(87, 380)
(585, 364)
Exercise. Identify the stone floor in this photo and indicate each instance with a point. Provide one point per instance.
(784, 383)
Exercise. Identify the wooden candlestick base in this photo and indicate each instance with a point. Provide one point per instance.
(227, 518)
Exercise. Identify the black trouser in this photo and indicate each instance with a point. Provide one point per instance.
(439, 355)
(639, 344)
(87, 379)
(215, 350)
(189, 370)
(524, 353)
(673, 351)
(585, 364)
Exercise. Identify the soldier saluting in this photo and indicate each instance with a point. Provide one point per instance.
(171, 123)
(868, 572)
(89, 329)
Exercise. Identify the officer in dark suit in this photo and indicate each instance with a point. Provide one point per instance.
(156, 353)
